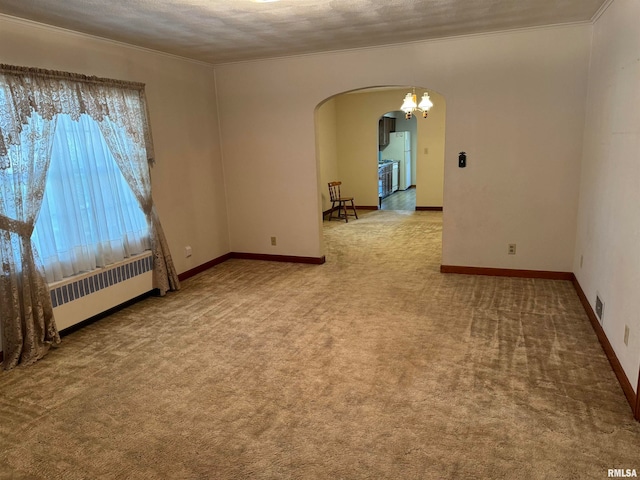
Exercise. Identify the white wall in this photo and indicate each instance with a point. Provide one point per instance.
(609, 212)
(515, 104)
(188, 184)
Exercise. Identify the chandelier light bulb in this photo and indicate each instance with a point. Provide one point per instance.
(425, 103)
(409, 105)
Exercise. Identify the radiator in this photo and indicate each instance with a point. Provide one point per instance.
(83, 296)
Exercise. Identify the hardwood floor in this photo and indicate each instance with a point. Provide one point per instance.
(400, 200)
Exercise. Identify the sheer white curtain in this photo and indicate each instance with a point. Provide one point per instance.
(89, 216)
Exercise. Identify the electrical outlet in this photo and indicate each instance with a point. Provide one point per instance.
(512, 249)
(626, 335)
(187, 251)
(273, 241)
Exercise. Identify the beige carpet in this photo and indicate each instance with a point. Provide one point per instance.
(372, 366)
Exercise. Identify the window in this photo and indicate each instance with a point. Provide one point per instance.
(89, 216)
(81, 214)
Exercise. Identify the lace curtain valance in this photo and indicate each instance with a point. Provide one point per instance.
(47, 92)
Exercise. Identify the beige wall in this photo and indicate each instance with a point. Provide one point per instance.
(609, 214)
(428, 151)
(515, 103)
(430, 155)
(326, 149)
(188, 186)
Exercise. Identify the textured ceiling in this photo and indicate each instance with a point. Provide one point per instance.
(219, 31)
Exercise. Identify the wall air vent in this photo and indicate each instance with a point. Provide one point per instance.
(599, 308)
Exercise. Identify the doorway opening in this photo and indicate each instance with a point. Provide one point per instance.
(348, 148)
(397, 143)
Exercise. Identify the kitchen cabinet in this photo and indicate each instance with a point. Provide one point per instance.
(385, 180)
(386, 125)
(396, 176)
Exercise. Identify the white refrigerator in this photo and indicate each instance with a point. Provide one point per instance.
(399, 149)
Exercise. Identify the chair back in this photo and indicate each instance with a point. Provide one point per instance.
(334, 190)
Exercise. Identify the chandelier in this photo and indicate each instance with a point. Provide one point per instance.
(409, 106)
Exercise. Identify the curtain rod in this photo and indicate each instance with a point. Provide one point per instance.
(77, 77)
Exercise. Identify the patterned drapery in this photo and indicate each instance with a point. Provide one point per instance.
(28, 327)
(130, 158)
(30, 100)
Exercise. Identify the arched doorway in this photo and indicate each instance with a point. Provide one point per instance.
(347, 147)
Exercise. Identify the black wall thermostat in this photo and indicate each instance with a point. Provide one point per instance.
(462, 160)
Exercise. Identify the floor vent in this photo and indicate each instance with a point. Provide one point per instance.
(599, 308)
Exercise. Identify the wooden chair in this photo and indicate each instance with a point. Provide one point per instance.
(336, 198)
